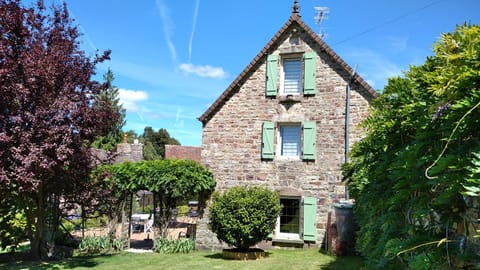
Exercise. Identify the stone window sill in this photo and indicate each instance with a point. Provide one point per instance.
(288, 158)
(290, 99)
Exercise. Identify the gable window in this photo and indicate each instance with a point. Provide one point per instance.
(292, 76)
(290, 140)
(296, 74)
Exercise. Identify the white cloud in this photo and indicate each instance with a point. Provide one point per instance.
(130, 99)
(397, 44)
(85, 35)
(204, 71)
(179, 123)
(194, 23)
(167, 28)
(173, 82)
(374, 67)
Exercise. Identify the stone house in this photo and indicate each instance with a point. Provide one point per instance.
(282, 124)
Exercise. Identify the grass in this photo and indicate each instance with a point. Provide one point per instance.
(277, 259)
(20, 248)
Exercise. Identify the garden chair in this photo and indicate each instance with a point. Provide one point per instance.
(148, 226)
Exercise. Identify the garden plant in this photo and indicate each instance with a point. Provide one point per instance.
(421, 159)
(244, 216)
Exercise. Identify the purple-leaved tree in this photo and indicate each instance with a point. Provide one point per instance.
(49, 115)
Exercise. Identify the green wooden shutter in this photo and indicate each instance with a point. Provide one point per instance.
(272, 66)
(309, 140)
(309, 219)
(267, 140)
(309, 74)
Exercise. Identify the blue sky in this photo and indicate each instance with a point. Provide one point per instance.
(172, 58)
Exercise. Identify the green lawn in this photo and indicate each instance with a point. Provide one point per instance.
(277, 259)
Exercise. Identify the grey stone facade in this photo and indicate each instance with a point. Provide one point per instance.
(129, 152)
(232, 128)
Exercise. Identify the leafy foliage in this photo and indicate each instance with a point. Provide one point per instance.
(100, 245)
(166, 246)
(49, 114)
(178, 177)
(419, 159)
(13, 224)
(155, 143)
(171, 180)
(243, 216)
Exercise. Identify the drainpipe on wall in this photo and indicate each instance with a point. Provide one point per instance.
(347, 123)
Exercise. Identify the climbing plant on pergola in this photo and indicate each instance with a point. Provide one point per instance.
(170, 180)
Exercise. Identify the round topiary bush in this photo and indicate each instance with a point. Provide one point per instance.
(244, 216)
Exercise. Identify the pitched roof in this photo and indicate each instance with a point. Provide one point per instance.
(294, 18)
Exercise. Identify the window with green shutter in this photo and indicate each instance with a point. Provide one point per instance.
(290, 140)
(292, 76)
(289, 224)
(268, 133)
(309, 140)
(309, 73)
(271, 84)
(309, 219)
(297, 220)
(295, 75)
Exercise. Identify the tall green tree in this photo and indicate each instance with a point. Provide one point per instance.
(49, 115)
(420, 160)
(155, 143)
(109, 95)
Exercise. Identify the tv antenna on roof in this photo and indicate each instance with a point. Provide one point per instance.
(320, 15)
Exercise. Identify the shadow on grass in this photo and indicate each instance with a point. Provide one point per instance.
(219, 256)
(345, 263)
(70, 263)
(216, 256)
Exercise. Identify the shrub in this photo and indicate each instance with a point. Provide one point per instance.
(13, 227)
(100, 244)
(181, 245)
(244, 216)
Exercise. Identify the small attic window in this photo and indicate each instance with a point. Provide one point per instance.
(294, 37)
(294, 41)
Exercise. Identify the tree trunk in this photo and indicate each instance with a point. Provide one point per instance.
(161, 205)
(38, 245)
(158, 221)
(115, 217)
(52, 223)
(156, 215)
(112, 226)
(84, 220)
(164, 224)
(29, 215)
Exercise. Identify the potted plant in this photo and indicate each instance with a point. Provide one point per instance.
(242, 217)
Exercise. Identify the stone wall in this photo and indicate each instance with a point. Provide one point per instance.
(232, 138)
